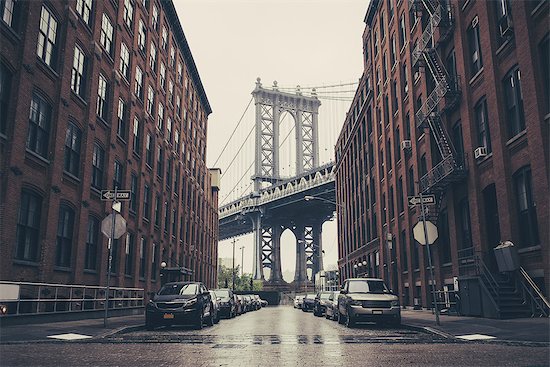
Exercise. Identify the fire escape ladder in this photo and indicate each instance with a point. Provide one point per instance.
(444, 144)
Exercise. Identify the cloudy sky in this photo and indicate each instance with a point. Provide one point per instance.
(296, 42)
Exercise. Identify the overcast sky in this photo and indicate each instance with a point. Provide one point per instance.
(305, 42)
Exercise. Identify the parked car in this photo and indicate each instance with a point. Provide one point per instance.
(263, 302)
(331, 311)
(249, 303)
(215, 306)
(367, 299)
(239, 304)
(180, 303)
(227, 303)
(319, 304)
(298, 301)
(258, 301)
(308, 303)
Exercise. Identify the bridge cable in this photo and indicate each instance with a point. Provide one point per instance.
(234, 130)
(237, 154)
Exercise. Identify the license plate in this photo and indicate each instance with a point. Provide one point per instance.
(377, 312)
(168, 316)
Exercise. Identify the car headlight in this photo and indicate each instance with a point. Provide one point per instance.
(151, 304)
(354, 302)
(190, 302)
(395, 303)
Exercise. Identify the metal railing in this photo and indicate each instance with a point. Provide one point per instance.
(25, 298)
(536, 298)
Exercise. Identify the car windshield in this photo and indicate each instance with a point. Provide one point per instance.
(222, 293)
(178, 289)
(310, 296)
(325, 295)
(368, 286)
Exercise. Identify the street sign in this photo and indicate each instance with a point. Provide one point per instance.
(107, 226)
(431, 230)
(110, 195)
(426, 199)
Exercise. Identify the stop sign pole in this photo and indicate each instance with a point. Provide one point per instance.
(111, 240)
(429, 257)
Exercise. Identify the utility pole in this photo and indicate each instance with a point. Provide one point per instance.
(233, 269)
(429, 256)
(242, 260)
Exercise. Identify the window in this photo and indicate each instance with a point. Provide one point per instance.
(169, 127)
(28, 226)
(171, 92)
(408, 126)
(5, 91)
(397, 145)
(172, 57)
(402, 31)
(399, 193)
(124, 61)
(154, 256)
(504, 20)
(98, 164)
(390, 9)
(443, 240)
(162, 75)
(102, 91)
(483, 134)
(142, 36)
(118, 175)
(133, 193)
(129, 254)
(136, 143)
(395, 103)
(544, 52)
(153, 57)
(180, 75)
(64, 240)
(384, 67)
(77, 73)
(128, 14)
(146, 202)
(166, 217)
(451, 67)
(526, 210)
(106, 36)
(84, 9)
(72, 150)
(8, 11)
(164, 38)
(411, 190)
(138, 88)
(412, 17)
(160, 161)
(492, 221)
(142, 247)
(121, 119)
(160, 120)
(375, 44)
(391, 202)
(465, 228)
(150, 100)
(393, 51)
(47, 36)
(148, 150)
(382, 31)
(403, 246)
(476, 61)
(158, 205)
(174, 221)
(38, 137)
(514, 102)
(169, 173)
(92, 242)
(178, 106)
(405, 81)
(155, 18)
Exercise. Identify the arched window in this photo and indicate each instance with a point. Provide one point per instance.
(64, 241)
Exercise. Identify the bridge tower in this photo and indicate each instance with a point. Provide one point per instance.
(270, 105)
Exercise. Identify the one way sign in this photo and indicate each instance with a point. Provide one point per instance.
(427, 199)
(110, 195)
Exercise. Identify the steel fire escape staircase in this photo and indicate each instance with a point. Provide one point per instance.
(445, 96)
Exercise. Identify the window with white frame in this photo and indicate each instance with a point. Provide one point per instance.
(124, 60)
(180, 74)
(155, 18)
(150, 100)
(164, 38)
(128, 14)
(106, 36)
(142, 36)
(162, 75)
(153, 57)
(47, 36)
(7, 11)
(38, 137)
(102, 90)
(136, 132)
(138, 87)
(84, 9)
(160, 121)
(172, 57)
(171, 92)
(121, 118)
(77, 73)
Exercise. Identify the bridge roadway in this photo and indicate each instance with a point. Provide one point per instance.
(282, 204)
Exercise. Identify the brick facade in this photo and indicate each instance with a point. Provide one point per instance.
(185, 232)
(482, 208)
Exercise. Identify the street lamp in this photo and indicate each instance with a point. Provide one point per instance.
(355, 270)
(233, 269)
(242, 260)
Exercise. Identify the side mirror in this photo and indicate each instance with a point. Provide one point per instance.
(151, 294)
(343, 291)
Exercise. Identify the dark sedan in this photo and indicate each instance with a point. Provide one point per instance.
(180, 303)
(227, 303)
(320, 303)
(309, 301)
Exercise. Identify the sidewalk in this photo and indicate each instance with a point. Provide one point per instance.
(86, 328)
(534, 330)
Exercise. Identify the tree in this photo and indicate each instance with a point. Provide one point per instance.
(242, 283)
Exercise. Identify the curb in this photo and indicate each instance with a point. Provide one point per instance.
(430, 330)
(123, 329)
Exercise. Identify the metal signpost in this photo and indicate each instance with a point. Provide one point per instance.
(429, 238)
(113, 227)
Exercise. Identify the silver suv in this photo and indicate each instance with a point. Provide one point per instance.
(367, 299)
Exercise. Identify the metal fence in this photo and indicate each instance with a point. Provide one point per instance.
(23, 298)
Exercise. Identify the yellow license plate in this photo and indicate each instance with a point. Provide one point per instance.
(377, 312)
(168, 315)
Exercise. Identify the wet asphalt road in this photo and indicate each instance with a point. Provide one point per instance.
(274, 336)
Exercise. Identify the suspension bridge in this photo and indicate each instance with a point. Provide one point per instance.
(280, 151)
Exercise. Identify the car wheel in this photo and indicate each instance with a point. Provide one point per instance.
(198, 324)
(326, 315)
(334, 316)
(217, 319)
(210, 320)
(350, 323)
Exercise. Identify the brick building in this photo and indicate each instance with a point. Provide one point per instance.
(93, 95)
(453, 102)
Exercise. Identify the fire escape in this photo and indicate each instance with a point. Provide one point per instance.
(444, 97)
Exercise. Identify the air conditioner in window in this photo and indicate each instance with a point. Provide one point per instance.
(505, 26)
(480, 152)
(406, 144)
